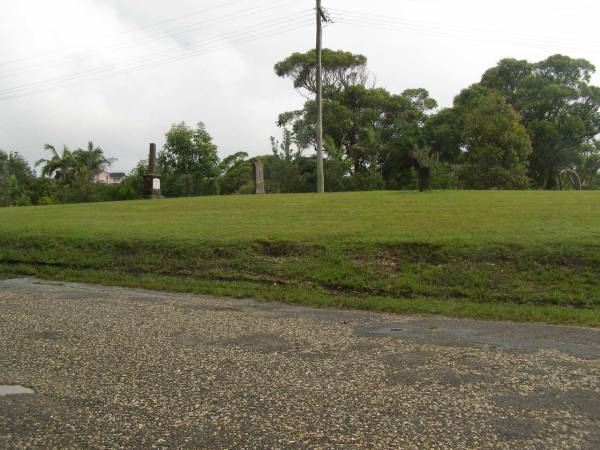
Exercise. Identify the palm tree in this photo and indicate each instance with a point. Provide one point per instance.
(90, 162)
(61, 167)
(82, 165)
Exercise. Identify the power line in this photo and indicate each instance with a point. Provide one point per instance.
(385, 23)
(164, 53)
(168, 52)
(185, 16)
(238, 38)
(101, 75)
(156, 24)
(257, 9)
(424, 24)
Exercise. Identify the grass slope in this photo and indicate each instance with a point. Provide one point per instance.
(494, 255)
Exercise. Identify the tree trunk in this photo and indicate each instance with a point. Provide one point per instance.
(550, 182)
(424, 179)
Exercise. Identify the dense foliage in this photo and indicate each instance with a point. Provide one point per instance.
(523, 126)
(189, 162)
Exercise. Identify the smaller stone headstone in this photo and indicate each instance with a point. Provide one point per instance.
(259, 177)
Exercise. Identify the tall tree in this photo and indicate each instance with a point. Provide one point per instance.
(558, 106)
(496, 144)
(60, 166)
(90, 162)
(189, 161)
(404, 129)
(16, 180)
(369, 127)
(235, 174)
(283, 148)
(74, 172)
(81, 165)
(340, 71)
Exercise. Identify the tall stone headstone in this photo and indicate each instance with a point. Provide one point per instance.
(152, 178)
(259, 177)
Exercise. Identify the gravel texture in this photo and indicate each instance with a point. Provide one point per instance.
(120, 368)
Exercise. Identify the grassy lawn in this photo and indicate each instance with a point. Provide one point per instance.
(531, 256)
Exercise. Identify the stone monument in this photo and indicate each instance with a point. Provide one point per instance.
(152, 179)
(259, 177)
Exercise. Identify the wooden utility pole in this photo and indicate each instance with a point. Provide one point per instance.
(320, 171)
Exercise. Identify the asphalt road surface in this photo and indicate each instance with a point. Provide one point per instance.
(121, 368)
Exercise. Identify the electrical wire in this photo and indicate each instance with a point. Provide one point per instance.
(424, 24)
(257, 9)
(234, 39)
(155, 24)
(164, 53)
(380, 22)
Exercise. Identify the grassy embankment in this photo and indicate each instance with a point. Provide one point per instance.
(531, 256)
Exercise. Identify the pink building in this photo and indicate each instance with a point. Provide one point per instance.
(110, 177)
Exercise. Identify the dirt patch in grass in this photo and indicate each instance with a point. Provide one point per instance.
(278, 248)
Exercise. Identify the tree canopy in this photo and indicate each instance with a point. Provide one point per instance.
(525, 122)
(16, 180)
(496, 144)
(340, 70)
(189, 161)
(558, 107)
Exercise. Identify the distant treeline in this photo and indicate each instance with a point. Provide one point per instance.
(524, 126)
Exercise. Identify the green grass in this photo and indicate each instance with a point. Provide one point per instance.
(529, 256)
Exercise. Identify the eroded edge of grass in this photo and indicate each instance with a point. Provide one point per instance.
(319, 298)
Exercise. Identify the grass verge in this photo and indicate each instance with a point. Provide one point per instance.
(542, 283)
(524, 256)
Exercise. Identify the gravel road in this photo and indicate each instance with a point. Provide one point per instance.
(122, 368)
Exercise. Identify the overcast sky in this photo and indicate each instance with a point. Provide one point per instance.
(67, 67)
